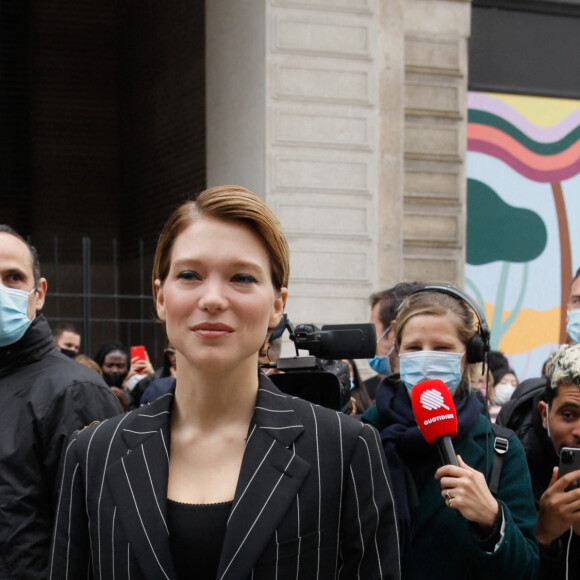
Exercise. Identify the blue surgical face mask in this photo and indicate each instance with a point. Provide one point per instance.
(14, 321)
(429, 364)
(573, 325)
(382, 364)
(352, 384)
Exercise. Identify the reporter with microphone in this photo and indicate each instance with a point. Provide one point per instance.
(435, 437)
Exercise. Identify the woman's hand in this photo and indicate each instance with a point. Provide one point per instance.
(353, 403)
(140, 366)
(468, 493)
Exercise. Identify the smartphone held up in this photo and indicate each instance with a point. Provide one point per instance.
(139, 353)
(569, 461)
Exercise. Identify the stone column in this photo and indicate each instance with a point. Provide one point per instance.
(435, 59)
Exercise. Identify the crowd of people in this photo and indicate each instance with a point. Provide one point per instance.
(113, 469)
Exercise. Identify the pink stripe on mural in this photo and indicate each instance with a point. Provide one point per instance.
(546, 176)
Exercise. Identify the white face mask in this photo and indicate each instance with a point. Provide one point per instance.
(503, 393)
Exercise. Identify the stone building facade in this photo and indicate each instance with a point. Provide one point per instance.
(350, 116)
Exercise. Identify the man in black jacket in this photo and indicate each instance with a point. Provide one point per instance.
(44, 397)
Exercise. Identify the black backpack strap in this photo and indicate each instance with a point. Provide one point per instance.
(500, 447)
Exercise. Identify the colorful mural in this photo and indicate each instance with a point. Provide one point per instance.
(523, 220)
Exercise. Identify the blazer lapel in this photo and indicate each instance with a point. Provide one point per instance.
(138, 485)
(270, 477)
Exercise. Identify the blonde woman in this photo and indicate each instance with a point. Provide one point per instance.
(451, 525)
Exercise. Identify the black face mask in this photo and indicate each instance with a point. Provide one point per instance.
(114, 379)
(68, 352)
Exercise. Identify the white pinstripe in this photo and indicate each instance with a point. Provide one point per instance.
(382, 459)
(141, 519)
(281, 395)
(69, 521)
(60, 499)
(153, 490)
(164, 445)
(299, 536)
(281, 428)
(113, 542)
(99, 425)
(319, 488)
(359, 522)
(101, 489)
(250, 482)
(276, 410)
(250, 436)
(138, 432)
(340, 497)
(156, 414)
(374, 503)
(258, 516)
(277, 555)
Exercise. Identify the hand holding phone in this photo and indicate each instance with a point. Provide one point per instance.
(569, 461)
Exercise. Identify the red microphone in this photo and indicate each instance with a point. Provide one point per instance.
(436, 417)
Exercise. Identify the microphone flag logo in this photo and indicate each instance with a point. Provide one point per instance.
(432, 399)
(434, 409)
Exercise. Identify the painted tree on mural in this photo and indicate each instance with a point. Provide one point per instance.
(546, 155)
(489, 218)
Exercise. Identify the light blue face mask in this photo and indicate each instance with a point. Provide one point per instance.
(429, 364)
(381, 364)
(14, 321)
(573, 325)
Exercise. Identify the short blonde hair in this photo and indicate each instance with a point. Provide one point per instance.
(564, 367)
(233, 203)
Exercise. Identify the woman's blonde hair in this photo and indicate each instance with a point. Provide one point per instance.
(233, 203)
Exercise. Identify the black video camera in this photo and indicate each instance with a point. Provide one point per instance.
(323, 377)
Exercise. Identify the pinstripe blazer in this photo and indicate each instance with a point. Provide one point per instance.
(313, 498)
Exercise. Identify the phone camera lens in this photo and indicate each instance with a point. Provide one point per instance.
(567, 457)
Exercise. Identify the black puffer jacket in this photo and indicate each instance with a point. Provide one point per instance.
(44, 397)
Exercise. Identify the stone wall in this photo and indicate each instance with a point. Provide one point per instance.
(358, 143)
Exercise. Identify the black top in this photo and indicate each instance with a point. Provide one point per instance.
(196, 535)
